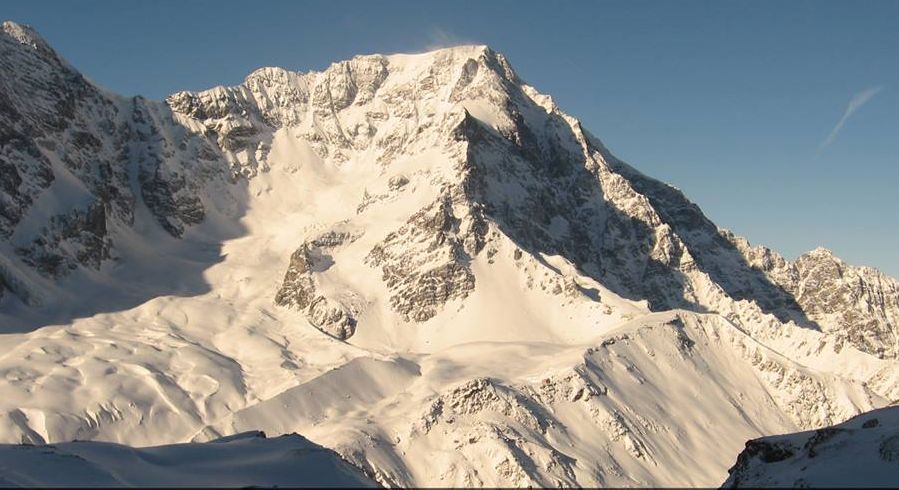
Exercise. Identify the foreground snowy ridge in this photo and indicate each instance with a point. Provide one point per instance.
(861, 452)
(417, 261)
(241, 460)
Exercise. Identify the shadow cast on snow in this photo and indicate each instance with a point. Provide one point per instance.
(148, 260)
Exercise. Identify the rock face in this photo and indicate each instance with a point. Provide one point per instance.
(861, 452)
(50, 139)
(298, 288)
(77, 161)
(490, 278)
(437, 269)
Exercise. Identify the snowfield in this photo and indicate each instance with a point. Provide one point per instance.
(416, 261)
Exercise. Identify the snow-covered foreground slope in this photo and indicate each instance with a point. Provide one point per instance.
(241, 460)
(638, 405)
(415, 260)
(861, 452)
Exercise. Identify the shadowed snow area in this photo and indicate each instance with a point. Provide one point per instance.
(417, 261)
(243, 460)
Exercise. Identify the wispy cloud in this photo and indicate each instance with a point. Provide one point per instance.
(855, 103)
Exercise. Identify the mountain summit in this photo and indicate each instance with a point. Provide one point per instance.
(418, 261)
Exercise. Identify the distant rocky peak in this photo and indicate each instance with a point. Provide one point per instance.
(273, 76)
(388, 104)
(820, 253)
(26, 35)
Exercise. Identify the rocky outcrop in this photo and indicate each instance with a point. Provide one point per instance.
(484, 395)
(83, 235)
(425, 263)
(298, 290)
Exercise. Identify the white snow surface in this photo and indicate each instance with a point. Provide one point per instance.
(543, 373)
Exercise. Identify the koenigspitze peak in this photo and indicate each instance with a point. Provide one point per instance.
(397, 255)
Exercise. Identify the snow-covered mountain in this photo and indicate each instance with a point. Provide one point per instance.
(418, 261)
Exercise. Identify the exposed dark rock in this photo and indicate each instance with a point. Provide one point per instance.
(426, 262)
(298, 289)
(77, 238)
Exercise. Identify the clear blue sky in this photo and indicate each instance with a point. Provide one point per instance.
(733, 102)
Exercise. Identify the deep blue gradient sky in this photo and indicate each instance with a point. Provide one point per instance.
(730, 101)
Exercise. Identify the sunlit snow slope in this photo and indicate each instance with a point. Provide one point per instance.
(417, 261)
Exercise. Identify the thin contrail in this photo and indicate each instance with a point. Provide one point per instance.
(855, 103)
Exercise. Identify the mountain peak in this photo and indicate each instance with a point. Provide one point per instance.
(358, 102)
(821, 252)
(452, 57)
(26, 35)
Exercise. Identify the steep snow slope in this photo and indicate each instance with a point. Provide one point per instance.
(238, 461)
(861, 452)
(416, 260)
